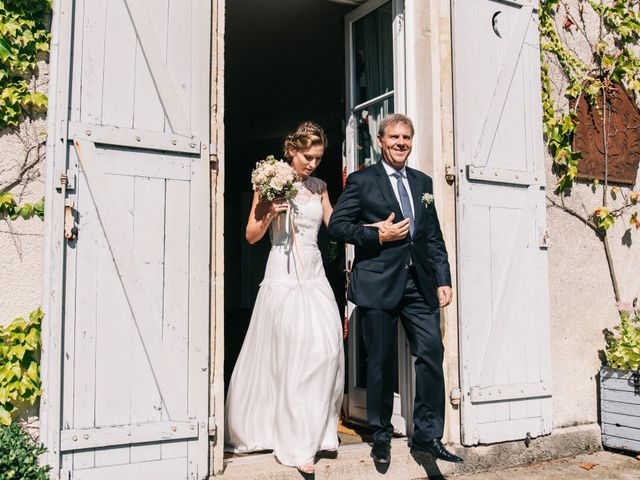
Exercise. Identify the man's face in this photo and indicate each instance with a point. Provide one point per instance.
(395, 144)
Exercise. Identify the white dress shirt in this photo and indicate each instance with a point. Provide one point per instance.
(394, 184)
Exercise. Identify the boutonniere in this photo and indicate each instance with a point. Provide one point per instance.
(427, 199)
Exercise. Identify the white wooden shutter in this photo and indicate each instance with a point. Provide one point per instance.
(127, 384)
(503, 284)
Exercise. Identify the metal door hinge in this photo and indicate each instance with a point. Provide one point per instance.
(213, 154)
(454, 396)
(66, 179)
(450, 174)
(213, 428)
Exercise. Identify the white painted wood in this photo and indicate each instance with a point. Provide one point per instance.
(148, 242)
(628, 430)
(624, 396)
(509, 392)
(621, 419)
(501, 175)
(608, 406)
(111, 212)
(164, 469)
(152, 258)
(200, 20)
(623, 443)
(133, 163)
(84, 371)
(114, 330)
(617, 383)
(163, 78)
(502, 87)
(84, 438)
(133, 137)
(176, 294)
(148, 113)
(93, 34)
(118, 80)
(217, 176)
(502, 271)
(53, 300)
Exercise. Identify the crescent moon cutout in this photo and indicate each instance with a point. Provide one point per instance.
(494, 23)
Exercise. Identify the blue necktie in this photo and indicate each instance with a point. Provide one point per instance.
(405, 203)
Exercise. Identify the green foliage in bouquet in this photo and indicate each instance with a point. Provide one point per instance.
(623, 350)
(19, 368)
(19, 455)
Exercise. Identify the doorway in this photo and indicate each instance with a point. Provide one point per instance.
(286, 62)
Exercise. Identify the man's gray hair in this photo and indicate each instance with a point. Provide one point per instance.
(392, 120)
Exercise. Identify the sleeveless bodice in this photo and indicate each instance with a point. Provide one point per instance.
(294, 257)
(306, 216)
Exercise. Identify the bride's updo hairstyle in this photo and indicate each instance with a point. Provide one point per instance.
(307, 134)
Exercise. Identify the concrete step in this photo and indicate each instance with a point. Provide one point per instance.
(353, 463)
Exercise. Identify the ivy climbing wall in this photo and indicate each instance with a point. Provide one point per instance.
(594, 239)
(24, 39)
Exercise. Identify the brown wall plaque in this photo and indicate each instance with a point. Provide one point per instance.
(623, 134)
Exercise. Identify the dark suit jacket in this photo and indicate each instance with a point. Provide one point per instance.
(379, 272)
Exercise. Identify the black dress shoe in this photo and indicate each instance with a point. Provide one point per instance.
(381, 452)
(435, 448)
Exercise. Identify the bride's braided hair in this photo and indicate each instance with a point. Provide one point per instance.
(307, 134)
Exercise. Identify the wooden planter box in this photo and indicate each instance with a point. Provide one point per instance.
(620, 408)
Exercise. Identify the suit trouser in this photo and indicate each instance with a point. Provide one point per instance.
(422, 326)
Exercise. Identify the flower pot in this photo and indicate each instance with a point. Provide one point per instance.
(620, 408)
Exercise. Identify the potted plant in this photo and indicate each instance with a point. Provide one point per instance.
(620, 383)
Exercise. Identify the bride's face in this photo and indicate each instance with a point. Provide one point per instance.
(305, 161)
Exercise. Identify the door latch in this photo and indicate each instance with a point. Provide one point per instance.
(70, 227)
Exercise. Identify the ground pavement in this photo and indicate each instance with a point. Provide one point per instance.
(598, 465)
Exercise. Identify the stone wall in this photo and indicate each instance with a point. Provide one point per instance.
(21, 241)
(581, 293)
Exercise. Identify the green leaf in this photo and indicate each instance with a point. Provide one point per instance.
(5, 416)
(5, 50)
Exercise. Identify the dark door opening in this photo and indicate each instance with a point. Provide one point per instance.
(284, 64)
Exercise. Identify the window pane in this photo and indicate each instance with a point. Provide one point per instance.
(373, 55)
(367, 122)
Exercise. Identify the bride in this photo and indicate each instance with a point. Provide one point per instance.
(286, 389)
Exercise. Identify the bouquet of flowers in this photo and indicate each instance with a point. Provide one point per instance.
(273, 179)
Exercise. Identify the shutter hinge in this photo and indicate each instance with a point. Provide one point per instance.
(450, 174)
(65, 474)
(213, 428)
(213, 153)
(66, 179)
(454, 396)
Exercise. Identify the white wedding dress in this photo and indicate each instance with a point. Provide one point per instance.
(286, 389)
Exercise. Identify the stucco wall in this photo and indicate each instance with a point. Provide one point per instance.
(21, 241)
(581, 294)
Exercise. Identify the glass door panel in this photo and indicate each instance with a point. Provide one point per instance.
(367, 121)
(371, 41)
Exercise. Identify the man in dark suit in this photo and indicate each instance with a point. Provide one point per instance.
(400, 270)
